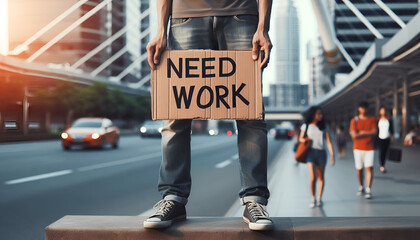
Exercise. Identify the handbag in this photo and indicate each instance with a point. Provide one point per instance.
(303, 148)
(395, 154)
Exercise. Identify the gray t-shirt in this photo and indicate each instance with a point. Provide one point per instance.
(203, 8)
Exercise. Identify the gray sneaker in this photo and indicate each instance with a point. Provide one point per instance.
(319, 203)
(360, 191)
(256, 216)
(368, 193)
(167, 212)
(312, 203)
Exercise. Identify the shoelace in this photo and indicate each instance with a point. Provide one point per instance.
(257, 210)
(163, 207)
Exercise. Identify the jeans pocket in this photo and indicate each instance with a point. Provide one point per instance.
(176, 22)
(246, 18)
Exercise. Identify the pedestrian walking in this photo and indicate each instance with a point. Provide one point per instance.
(341, 141)
(385, 135)
(216, 25)
(363, 132)
(411, 137)
(314, 129)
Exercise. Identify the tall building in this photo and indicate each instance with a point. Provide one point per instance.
(320, 71)
(25, 18)
(288, 95)
(356, 37)
(285, 56)
(146, 25)
(283, 71)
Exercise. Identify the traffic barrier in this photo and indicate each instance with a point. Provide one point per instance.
(315, 228)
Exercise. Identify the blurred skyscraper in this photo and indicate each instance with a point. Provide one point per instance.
(356, 37)
(283, 72)
(320, 71)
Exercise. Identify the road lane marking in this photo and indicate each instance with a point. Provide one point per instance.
(227, 162)
(104, 165)
(119, 162)
(39, 177)
(223, 164)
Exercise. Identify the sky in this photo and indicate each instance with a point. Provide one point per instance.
(308, 30)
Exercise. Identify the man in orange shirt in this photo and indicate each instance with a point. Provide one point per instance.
(363, 131)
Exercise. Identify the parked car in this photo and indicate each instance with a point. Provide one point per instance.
(151, 128)
(91, 132)
(221, 127)
(283, 132)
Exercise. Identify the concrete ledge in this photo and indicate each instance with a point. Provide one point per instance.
(131, 227)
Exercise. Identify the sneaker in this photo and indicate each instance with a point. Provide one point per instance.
(368, 193)
(167, 212)
(360, 191)
(312, 204)
(256, 216)
(318, 203)
(383, 170)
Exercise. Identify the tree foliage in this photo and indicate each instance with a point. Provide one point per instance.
(96, 100)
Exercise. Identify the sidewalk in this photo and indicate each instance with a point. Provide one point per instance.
(396, 193)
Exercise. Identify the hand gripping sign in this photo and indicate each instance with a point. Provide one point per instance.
(207, 84)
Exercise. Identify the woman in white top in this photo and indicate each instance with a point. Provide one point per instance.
(314, 130)
(385, 133)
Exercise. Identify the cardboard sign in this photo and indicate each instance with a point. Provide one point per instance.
(206, 84)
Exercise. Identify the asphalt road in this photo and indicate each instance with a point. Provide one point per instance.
(40, 183)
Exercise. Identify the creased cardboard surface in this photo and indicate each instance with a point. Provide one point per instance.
(207, 84)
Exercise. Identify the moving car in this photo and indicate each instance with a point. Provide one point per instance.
(91, 132)
(281, 132)
(284, 130)
(151, 128)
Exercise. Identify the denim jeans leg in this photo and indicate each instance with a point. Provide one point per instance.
(252, 149)
(236, 33)
(175, 178)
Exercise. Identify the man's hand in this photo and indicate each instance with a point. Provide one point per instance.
(332, 161)
(261, 42)
(155, 48)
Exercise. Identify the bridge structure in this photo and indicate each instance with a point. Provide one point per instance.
(386, 75)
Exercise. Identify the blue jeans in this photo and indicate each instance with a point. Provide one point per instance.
(216, 33)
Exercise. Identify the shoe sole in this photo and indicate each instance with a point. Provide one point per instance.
(257, 226)
(368, 197)
(163, 224)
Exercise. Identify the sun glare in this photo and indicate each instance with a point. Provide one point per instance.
(4, 32)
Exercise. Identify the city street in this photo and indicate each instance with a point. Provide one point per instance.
(40, 182)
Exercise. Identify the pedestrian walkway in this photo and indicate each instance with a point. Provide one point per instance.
(396, 193)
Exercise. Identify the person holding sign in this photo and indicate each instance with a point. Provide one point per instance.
(214, 25)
